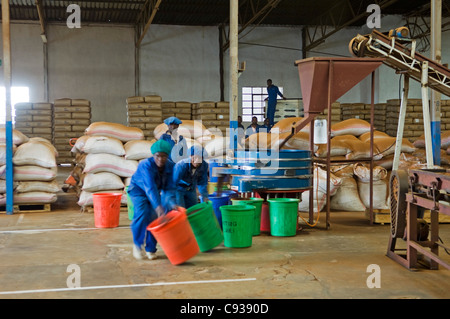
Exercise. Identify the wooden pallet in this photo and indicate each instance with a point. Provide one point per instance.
(383, 216)
(28, 208)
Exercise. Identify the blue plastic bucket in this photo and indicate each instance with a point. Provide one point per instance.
(230, 194)
(217, 202)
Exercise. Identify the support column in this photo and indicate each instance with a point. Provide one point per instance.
(426, 116)
(436, 17)
(8, 124)
(234, 98)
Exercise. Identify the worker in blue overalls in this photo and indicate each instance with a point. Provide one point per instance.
(192, 173)
(177, 142)
(273, 92)
(152, 192)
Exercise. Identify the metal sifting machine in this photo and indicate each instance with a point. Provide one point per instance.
(323, 81)
(413, 192)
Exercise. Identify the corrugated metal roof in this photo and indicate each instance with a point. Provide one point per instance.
(198, 12)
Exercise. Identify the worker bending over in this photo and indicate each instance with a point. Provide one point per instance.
(177, 142)
(152, 192)
(191, 173)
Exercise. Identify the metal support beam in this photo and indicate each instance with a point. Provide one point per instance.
(342, 14)
(41, 20)
(436, 17)
(145, 18)
(401, 123)
(42, 24)
(6, 33)
(234, 74)
(221, 69)
(250, 12)
(137, 74)
(426, 116)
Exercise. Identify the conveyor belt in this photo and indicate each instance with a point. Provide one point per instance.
(401, 58)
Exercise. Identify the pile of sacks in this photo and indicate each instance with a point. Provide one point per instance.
(105, 159)
(349, 183)
(420, 154)
(34, 169)
(349, 188)
(108, 154)
(214, 141)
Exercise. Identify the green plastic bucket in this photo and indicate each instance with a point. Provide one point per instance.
(205, 226)
(129, 205)
(237, 225)
(254, 201)
(283, 216)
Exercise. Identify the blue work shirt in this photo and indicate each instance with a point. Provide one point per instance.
(249, 131)
(158, 187)
(273, 91)
(181, 147)
(186, 181)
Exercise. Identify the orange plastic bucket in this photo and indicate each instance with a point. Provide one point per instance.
(174, 233)
(107, 209)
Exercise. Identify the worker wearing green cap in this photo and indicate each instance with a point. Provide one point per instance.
(152, 192)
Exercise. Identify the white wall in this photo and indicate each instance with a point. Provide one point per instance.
(270, 55)
(27, 56)
(94, 63)
(180, 63)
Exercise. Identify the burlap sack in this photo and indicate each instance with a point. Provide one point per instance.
(354, 127)
(116, 130)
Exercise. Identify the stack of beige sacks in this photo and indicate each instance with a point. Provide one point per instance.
(106, 157)
(71, 118)
(335, 113)
(180, 109)
(214, 115)
(34, 119)
(349, 185)
(34, 167)
(145, 113)
(148, 112)
(362, 111)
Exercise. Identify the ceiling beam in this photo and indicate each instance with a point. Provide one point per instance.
(250, 14)
(342, 14)
(41, 20)
(145, 18)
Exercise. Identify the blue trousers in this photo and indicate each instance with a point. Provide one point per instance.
(143, 215)
(271, 107)
(186, 199)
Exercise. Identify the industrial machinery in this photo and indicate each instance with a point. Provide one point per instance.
(416, 190)
(428, 189)
(323, 81)
(262, 170)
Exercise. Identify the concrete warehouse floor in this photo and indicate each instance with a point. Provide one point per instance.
(36, 250)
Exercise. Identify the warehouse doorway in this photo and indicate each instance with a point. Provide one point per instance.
(19, 94)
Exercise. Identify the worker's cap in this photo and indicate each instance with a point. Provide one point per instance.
(161, 146)
(198, 151)
(172, 120)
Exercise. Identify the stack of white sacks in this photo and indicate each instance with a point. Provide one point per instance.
(349, 183)
(34, 169)
(106, 157)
